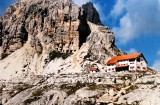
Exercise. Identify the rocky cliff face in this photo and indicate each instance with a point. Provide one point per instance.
(91, 13)
(43, 30)
(1, 27)
(53, 25)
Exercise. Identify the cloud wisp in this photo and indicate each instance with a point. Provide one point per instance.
(140, 17)
(156, 64)
(132, 51)
(118, 8)
(81, 2)
(158, 53)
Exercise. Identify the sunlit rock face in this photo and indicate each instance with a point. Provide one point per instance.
(58, 25)
(35, 35)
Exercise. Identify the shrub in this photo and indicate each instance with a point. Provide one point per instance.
(72, 88)
(57, 54)
(38, 92)
(30, 100)
(3, 56)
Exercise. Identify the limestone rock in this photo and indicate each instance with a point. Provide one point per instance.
(141, 97)
(53, 33)
(37, 90)
(102, 44)
(86, 93)
(91, 14)
(51, 25)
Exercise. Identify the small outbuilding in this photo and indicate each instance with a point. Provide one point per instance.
(94, 68)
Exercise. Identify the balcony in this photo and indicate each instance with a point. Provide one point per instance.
(121, 65)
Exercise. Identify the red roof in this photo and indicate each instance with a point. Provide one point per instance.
(93, 68)
(114, 60)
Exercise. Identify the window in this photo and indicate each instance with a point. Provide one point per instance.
(132, 67)
(138, 59)
(142, 59)
(138, 67)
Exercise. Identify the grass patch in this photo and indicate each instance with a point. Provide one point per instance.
(72, 88)
(38, 92)
(36, 95)
(3, 56)
(57, 54)
(22, 87)
(132, 88)
(30, 100)
(93, 86)
(18, 88)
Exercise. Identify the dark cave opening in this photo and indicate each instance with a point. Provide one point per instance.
(1, 27)
(84, 31)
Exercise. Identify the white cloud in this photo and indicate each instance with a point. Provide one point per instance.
(81, 2)
(156, 65)
(125, 32)
(132, 51)
(158, 53)
(118, 8)
(141, 18)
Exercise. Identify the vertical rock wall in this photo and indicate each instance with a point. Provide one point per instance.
(1, 27)
(49, 29)
(49, 25)
(91, 13)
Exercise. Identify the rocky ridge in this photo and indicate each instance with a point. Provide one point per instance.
(92, 89)
(61, 24)
(44, 31)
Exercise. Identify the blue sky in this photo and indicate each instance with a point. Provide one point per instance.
(4, 4)
(135, 23)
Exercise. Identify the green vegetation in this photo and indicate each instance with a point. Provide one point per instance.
(72, 88)
(30, 100)
(38, 92)
(18, 88)
(132, 88)
(4, 55)
(36, 95)
(57, 54)
(149, 82)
